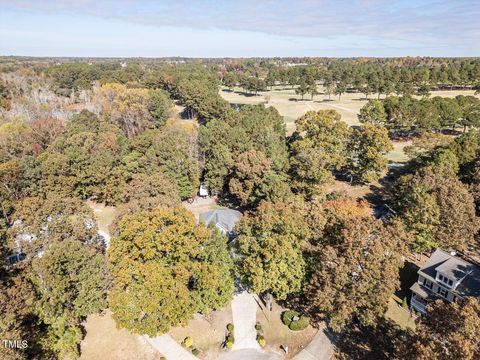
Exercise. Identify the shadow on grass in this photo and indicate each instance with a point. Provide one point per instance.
(325, 100)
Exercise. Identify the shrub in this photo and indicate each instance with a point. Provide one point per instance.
(300, 324)
(163, 358)
(258, 327)
(230, 327)
(261, 340)
(195, 351)
(229, 344)
(187, 342)
(287, 316)
(231, 338)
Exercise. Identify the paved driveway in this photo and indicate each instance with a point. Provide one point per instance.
(249, 354)
(169, 348)
(244, 314)
(320, 348)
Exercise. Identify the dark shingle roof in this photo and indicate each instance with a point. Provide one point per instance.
(456, 269)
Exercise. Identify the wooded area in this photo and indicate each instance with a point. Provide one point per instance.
(144, 136)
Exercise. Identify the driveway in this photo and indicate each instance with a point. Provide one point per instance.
(244, 314)
(320, 348)
(249, 354)
(169, 348)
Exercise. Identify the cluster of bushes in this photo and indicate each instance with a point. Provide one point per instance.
(188, 343)
(295, 320)
(260, 337)
(230, 340)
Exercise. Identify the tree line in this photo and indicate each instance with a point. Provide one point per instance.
(407, 116)
(340, 76)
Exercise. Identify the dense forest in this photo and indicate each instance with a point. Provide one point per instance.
(143, 134)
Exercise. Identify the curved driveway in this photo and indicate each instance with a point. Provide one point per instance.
(249, 354)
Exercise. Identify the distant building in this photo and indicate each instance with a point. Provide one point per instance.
(444, 276)
(203, 192)
(14, 258)
(223, 219)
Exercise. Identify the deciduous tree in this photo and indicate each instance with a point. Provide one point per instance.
(271, 242)
(166, 268)
(357, 273)
(437, 208)
(367, 150)
(318, 148)
(450, 331)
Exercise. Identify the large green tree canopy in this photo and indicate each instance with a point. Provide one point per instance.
(166, 268)
(318, 148)
(271, 242)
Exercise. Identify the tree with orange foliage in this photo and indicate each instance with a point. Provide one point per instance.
(449, 331)
(356, 271)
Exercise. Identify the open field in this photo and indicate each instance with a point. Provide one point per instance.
(103, 214)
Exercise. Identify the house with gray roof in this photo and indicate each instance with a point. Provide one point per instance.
(444, 276)
(223, 219)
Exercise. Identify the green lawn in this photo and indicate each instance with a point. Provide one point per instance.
(400, 315)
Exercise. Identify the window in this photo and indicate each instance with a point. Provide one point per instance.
(442, 292)
(428, 283)
(445, 280)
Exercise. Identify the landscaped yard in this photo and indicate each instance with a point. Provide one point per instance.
(277, 334)
(208, 332)
(403, 317)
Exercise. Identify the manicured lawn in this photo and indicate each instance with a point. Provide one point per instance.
(276, 333)
(400, 315)
(397, 154)
(408, 276)
(207, 331)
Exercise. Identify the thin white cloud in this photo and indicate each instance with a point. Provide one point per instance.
(442, 22)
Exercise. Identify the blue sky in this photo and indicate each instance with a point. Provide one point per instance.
(224, 28)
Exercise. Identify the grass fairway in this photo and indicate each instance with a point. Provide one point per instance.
(291, 106)
(397, 154)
